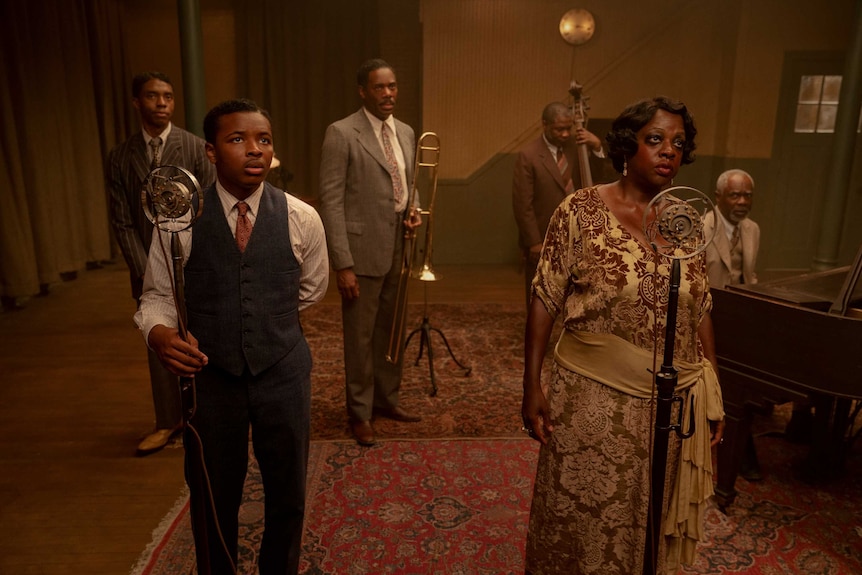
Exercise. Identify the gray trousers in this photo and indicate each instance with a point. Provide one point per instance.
(370, 379)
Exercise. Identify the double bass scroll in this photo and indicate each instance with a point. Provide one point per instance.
(579, 116)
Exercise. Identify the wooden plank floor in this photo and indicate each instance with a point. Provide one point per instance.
(75, 401)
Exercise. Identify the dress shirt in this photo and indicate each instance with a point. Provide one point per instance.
(164, 136)
(377, 124)
(307, 239)
(726, 224)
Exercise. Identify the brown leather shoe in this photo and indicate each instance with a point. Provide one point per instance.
(156, 440)
(398, 414)
(363, 432)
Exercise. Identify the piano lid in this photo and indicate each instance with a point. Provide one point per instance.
(837, 291)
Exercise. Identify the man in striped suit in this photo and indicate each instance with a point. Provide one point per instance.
(158, 143)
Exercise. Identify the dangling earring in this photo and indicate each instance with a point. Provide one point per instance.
(625, 167)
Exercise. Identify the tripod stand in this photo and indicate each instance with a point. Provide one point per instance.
(425, 330)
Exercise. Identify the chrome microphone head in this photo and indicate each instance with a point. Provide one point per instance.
(171, 198)
(673, 222)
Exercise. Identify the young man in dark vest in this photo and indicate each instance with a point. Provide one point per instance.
(255, 257)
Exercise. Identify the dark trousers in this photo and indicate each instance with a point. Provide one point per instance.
(166, 393)
(276, 404)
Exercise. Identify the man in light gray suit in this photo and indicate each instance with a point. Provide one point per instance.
(366, 171)
(158, 143)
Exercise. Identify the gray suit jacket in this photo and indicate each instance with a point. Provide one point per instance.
(356, 201)
(126, 169)
(718, 251)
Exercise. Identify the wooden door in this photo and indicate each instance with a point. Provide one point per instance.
(801, 157)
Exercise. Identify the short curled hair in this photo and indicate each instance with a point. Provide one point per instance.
(369, 66)
(622, 139)
(555, 110)
(211, 121)
(141, 79)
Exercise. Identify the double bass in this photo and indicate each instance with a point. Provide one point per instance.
(579, 117)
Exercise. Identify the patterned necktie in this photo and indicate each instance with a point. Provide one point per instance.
(393, 163)
(243, 226)
(561, 161)
(563, 164)
(156, 145)
(734, 237)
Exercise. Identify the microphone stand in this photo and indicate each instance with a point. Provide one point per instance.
(678, 223)
(168, 195)
(666, 380)
(195, 470)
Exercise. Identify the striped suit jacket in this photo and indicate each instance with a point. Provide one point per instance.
(125, 171)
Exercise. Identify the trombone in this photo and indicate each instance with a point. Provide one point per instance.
(426, 162)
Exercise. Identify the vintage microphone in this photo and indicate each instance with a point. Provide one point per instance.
(673, 225)
(173, 201)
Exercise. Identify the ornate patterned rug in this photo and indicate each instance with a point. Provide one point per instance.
(461, 507)
(441, 506)
(487, 338)
(451, 494)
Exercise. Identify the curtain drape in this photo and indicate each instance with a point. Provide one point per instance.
(298, 60)
(58, 117)
(65, 102)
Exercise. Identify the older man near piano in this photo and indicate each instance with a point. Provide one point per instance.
(547, 171)
(732, 255)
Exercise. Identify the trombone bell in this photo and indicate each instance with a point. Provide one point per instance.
(425, 273)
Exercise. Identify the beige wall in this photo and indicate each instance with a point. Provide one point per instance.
(490, 66)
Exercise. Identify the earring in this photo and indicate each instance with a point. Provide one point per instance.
(625, 167)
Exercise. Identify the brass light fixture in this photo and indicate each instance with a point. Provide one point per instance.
(577, 26)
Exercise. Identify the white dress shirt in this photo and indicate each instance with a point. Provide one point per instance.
(307, 239)
(728, 225)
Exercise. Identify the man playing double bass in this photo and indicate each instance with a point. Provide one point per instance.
(546, 171)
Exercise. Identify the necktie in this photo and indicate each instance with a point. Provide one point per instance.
(734, 237)
(156, 145)
(562, 163)
(243, 226)
(393, 163)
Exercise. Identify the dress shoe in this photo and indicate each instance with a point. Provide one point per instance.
(398, 414)
(750, 472)
(363, 432)
(157, 440)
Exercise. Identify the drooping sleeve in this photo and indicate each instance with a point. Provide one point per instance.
(557, 268)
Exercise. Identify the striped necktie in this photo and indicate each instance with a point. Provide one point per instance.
(156, 145)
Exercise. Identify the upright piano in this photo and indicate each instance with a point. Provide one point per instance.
(794, 339)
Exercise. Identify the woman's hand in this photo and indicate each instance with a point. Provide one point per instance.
(536, 415)
(716, 429)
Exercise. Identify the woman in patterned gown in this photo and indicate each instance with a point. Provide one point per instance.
(594, 420)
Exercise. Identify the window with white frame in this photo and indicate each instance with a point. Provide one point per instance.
(817, 105)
